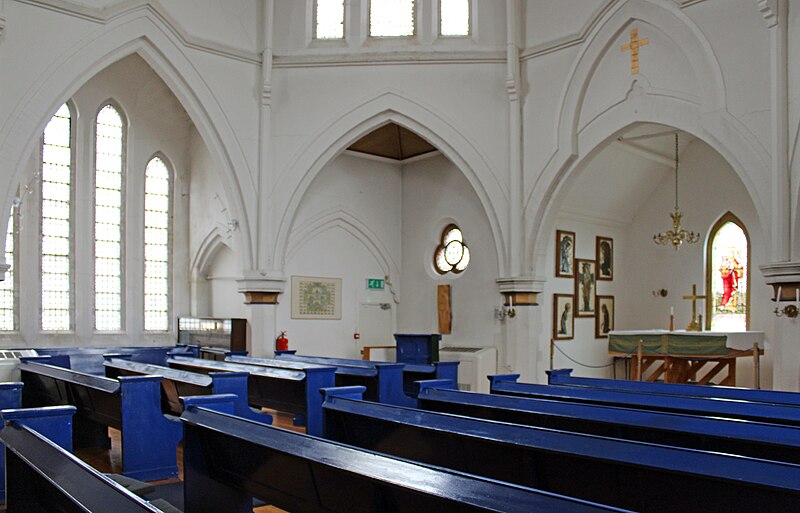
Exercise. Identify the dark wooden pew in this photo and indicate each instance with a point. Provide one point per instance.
(731, 436)
(563, 377)
(44, 477)
(290, 390)
(639, 476)
(227, 461)
(383, 381)
(411, 372)
(177, 383)
(129, 404)
(729, 408)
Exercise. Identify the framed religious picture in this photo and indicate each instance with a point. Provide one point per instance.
(563, 316)
(605, 258)
(585, 285)
(565, 254)
(316, 298)
(604, 320)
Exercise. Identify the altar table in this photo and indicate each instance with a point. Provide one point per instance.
(680, 356)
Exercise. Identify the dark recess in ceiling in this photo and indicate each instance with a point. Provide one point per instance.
(394, 142)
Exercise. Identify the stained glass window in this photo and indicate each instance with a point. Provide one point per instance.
(329, 19)
(728, 275)
(7, 299)
(452, 254)
(56, 222)
(156, 245)
(454, 17)
(109, 138)
(391, 18)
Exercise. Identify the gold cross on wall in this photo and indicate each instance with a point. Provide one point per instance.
(694, 325)
(634, 46)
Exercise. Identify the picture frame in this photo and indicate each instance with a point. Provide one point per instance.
(604, 255)
(585, 287)
(563, 317)
(565, 254)
(604, 320)
(316, 298)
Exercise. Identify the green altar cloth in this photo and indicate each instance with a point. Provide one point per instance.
(669, 343)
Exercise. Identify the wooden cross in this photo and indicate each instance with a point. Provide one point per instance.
(634, 46)
(694, 325)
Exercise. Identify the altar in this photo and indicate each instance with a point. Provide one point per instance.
(686, 356)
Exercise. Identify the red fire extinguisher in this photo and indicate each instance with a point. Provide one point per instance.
(282, 343)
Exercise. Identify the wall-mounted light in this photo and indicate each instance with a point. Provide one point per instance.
(785, 294)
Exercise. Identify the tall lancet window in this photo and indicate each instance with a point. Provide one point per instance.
(329, 19)
(728, 276)
(56, 219)
(157, 189)
(391, 18)
(8, 318)
(109, 147)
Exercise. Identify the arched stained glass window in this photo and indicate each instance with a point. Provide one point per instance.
(452, 255)
(157, 188)
(109, 147)
(728, 276)
(56, 228)
(8, 318)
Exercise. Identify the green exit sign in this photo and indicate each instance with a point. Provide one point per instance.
(374, 284)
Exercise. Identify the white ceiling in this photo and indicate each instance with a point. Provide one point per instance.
(615, 183)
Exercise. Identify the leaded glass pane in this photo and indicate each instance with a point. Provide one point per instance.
(329, 19)
(7, 300)
(108, 220)
(56, 221)
(391, 18)
(729, 267)
(454, 17)
(156, 246)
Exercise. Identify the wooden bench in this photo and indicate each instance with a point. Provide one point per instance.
(634, 475)
(383, 381)
(747, 438)
(228, 461)
(131, 404)
(177, 383)
(289, 390)
(44, 477)
(759, 412)
(563, 377)
(411, 372)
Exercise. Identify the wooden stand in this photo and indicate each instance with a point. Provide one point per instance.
(676, 368)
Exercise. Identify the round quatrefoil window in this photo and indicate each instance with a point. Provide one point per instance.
(452, 254)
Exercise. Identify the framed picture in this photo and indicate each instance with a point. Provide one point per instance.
(585, 287)
(604, 320)
(565, 254)
(563, 316)
(316, 298)
(605, 258)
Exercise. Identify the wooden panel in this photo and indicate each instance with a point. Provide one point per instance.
(443, 304)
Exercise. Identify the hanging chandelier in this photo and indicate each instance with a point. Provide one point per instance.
(676, 236)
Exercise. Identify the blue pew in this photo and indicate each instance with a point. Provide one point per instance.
(383, 381)
(290, 390)
(563, 377)
(411, 372)
(90, 359)
(227, 461)
(177, 383)
(610, 471)
(731, 436)
(129, 404)
(759, 412)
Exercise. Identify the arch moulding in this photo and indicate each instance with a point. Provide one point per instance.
(350, 126)
(142, 32)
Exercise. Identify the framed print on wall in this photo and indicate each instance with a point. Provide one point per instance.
(605, 258)
(604, 320)
(565, 254)
(563, 316)
(316, 298)
(585, 287)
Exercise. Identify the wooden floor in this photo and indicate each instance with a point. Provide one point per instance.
(110, 461)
